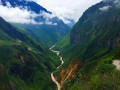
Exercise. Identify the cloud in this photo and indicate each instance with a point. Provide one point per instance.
(50, 23)
(64, 9)
(21, 15)
(67, 9)
(105, 8)
(17, 15)
(47, 15)
(116, 3)
(47, 18)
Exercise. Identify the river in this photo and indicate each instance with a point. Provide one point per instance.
(62, 62)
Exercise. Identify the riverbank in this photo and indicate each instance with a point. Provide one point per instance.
(62, 62)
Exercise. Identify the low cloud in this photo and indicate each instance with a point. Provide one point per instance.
(105, 8)
(67, 9)
(23, 16)
(47, 18)
(115, 3)
(63, 9)
(17, 15)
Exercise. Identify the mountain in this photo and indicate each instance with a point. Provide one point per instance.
(48, 29)
(24, 63)
(93, 45)
(63, 43)
(29, 5)
(45, 34)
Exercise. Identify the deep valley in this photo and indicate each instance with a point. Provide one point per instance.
(49, 54)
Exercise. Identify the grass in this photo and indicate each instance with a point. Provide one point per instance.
(20, 67)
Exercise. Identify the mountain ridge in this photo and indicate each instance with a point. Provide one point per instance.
(25, 63)
(32, 5)
(94, 44)
(47, 30)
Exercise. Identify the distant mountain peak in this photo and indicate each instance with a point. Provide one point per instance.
(30, 5)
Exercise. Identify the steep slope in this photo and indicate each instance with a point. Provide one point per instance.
(24, 63)
(45, 34)
(25, 4)
(48, 28)
(95, 43)
(63, 43)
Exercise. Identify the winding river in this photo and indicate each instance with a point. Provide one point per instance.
(52, 76)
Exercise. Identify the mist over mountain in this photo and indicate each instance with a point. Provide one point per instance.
(34, 19)
(37, 13)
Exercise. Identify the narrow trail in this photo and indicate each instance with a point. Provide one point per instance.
(62, 62)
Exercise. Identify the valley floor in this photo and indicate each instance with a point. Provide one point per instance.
(62, 62)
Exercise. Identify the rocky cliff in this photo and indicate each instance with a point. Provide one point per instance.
(99, 24)
(95, 41)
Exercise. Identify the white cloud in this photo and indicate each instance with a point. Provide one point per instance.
(20, 15)
(17, 15)
(70, 9)
(64, 9)
(47, 15)
(116, 3)
(105, 8)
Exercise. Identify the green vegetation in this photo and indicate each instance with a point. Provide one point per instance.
(88, 52)
(45, 34)
(24, 63)
(94, 41)
(99, 74)
(63, 43)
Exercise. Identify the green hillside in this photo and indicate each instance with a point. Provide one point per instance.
(45, 34)
(24, 63)
(94, 44)
(63, 43)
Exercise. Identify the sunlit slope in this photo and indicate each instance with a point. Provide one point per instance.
(25, 63)
(94, 44)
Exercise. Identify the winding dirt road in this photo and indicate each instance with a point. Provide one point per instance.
(62, 62)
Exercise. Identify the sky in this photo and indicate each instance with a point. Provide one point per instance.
(64, 9)
(71, 9)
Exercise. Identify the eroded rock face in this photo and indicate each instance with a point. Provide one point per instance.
(69, 72)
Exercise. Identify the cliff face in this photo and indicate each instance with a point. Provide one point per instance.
(96, 35)
(99, 24)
